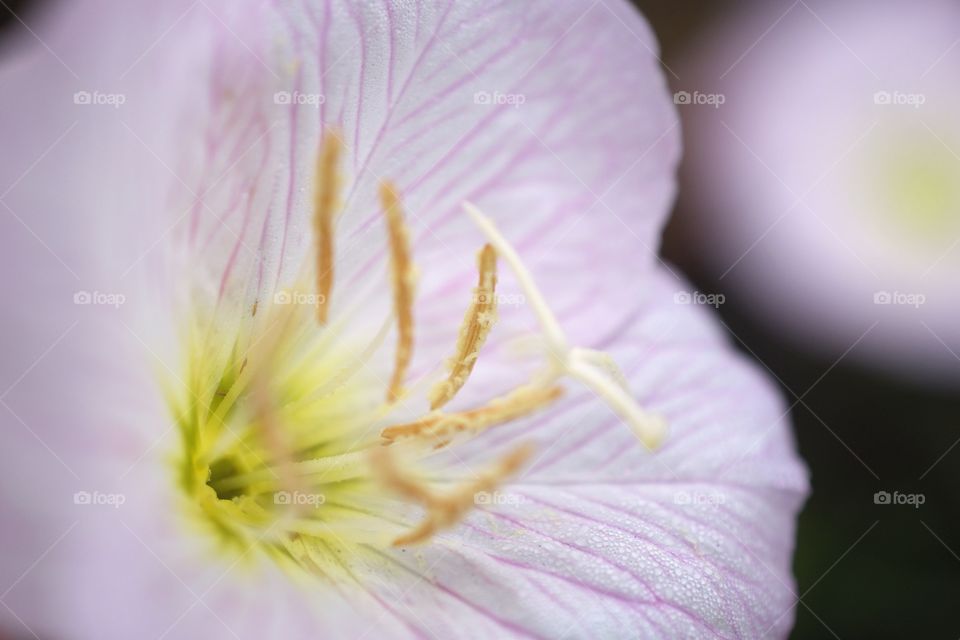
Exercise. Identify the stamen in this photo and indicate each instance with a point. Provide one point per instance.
(443, 510)
(580, 364)
(325, 201)
(548, 322)
(477, 322)
(441, 427)
(404, 283)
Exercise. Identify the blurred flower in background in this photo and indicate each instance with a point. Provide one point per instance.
(823, 161)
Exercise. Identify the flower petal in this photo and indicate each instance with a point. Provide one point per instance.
(535, 112)
(582, 133)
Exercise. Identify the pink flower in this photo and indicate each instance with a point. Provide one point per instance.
(261, 390)
(827, 178)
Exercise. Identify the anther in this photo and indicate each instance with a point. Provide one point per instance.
(404, 283)
(477, 322)
(440, 428)
(443, 510)
(325, 202)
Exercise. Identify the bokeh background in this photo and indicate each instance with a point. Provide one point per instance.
(863, 570)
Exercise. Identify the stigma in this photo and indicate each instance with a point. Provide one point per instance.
(292, 445)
